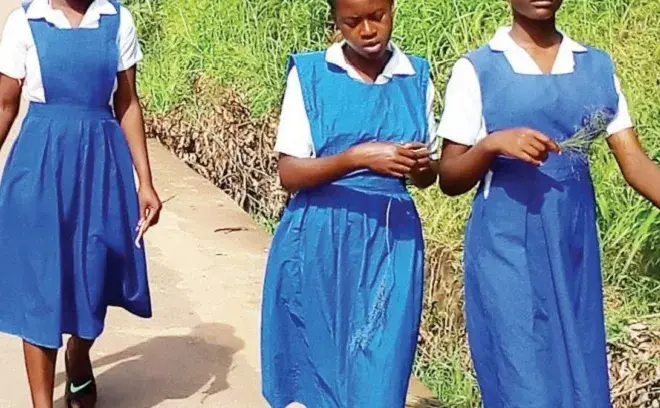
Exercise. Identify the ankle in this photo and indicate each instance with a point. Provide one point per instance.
(77, 347)
(43, 403)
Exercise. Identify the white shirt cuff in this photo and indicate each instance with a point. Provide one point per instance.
(622, 120)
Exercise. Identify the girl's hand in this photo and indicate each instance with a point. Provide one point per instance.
(526, 144)
(422, 157)
(389, 159)
(150, 206)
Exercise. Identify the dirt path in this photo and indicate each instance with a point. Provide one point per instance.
(202, 347)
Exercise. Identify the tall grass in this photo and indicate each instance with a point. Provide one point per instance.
(244, 44)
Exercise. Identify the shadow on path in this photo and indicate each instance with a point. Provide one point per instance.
(167, 368)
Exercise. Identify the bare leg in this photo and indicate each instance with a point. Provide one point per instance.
(40, 366)
(80, 368)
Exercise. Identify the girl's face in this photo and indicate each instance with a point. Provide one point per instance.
(536, 9)
(366, 25)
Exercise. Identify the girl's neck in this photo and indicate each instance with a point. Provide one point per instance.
(535, 33)
(367, 68)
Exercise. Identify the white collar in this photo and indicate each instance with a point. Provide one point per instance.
(522, 63)
(399, 63)
(41, 9)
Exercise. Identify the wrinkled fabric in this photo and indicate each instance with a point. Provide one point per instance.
(68, 202)
(343, 289)
(533, 285)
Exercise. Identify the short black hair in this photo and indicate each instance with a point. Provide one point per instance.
(333, 4)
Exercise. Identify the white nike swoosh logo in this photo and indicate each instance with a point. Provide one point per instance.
(75, 390)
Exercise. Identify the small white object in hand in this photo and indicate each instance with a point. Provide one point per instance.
(140, 230)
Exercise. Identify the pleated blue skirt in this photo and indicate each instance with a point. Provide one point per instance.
(533, 289)
(68, 212)
(342, 300)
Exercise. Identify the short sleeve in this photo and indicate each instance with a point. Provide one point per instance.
(622, 119)
(294, 134)
(130, 52)
(13, 45)
(462, 118)
(430, 119)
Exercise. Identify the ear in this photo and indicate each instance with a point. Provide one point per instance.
(333, 33)
(336, 37)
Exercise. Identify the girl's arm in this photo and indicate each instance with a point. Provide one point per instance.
(129, 114)
(462, 167)
(638, 169)
(385, 158)
(10, 100)
(301, 173)
(13, 54)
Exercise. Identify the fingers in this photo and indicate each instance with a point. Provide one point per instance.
(153, 215)
(406, 162)
(402, 159)
(422, 165)
(406, 152)
(141, 229)
(536, 153)
(537, 145)
(149, 214)
(422, 154)
(529, 159)
(152, 218)
(546, 140)
(416, 151)
(554, 147)
(405, 157)
(423, 162)
(144, 209)
(398, 170)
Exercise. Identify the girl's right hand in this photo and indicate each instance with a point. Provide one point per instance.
(526, 144)
(389, 159)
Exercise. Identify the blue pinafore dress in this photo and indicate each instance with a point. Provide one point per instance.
(344, 279)
(533, 286)
(68, 202)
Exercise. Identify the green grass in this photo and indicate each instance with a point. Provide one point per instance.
(244, 44)
(457, 386)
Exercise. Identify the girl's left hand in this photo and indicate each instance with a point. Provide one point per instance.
(150, 206)
(422, 157)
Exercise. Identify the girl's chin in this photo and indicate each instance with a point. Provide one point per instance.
(374, 50)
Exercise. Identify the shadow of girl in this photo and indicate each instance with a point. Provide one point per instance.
(167, 368)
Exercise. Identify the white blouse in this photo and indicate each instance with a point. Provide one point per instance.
(462, 120)
(294, 135)
(18, 53)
